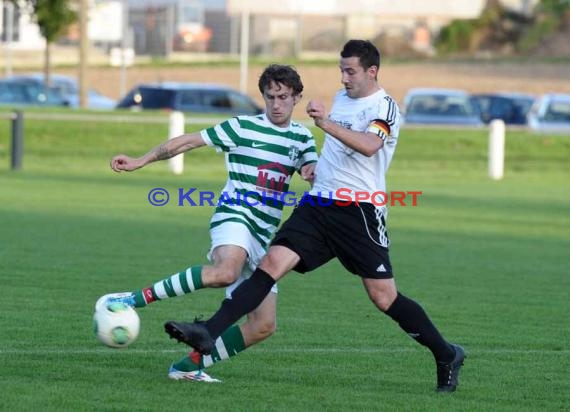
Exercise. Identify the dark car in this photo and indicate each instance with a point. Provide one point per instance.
(21, 93)
(512, 108)
(190, 97)
(440, 107)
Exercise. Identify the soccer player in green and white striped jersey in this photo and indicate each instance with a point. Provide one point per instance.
(262, 153)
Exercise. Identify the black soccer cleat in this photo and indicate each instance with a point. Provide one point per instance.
(448, 373)
(193, 334)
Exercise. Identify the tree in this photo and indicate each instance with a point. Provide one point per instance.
(53, 18)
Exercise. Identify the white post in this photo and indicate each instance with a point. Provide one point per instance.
(176, 128)
(496, 149)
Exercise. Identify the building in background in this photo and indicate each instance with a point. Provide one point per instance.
(159, 27)
(297, 26)
(17, 28)
(285, 27)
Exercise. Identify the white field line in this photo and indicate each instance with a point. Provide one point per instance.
(324, 351)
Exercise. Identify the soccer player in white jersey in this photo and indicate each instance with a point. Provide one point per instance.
(262, 154)
(361, 136)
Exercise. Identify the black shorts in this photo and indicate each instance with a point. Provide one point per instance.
(355, 234)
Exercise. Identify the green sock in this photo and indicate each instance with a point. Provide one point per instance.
(229, 344)
(176, 285)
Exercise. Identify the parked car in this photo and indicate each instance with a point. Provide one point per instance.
(17, 93)
(440, 106)
(512, 108)
(551, 113)
(190, 97)
(69, 89)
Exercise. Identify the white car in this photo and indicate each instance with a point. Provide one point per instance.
(69, 89)
(551, 113)
(440, 107)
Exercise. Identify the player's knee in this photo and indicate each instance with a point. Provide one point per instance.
(225, 276)
(264, 329)
(382, 300)
(278, 261)
(257, 329)
(269, 263)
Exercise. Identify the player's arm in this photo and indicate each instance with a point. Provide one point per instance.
(308, 161)
(307, 172)
(366, 143)
(165, 150)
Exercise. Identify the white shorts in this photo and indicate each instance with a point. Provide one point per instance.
(233, 233)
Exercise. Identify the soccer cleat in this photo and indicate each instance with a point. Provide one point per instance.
(198, 376)
(127, 298)
(193, 334)
(448, 373)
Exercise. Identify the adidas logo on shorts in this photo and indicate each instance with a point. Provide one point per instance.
(381, 268)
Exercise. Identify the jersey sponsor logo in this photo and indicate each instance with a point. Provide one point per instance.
(381, 268)
(271, 176)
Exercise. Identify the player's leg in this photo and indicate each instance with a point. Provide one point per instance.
(299, 245)
(262, 322)
(231, 243)
(245, 299)
(409, 315)
(251, 293)
(413, 319)
(364, 251)
(228, 261)
(259, 326)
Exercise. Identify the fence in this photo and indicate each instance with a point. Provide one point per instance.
(177, 120)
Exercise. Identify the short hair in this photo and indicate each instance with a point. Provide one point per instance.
(364, 50)
(283, 74)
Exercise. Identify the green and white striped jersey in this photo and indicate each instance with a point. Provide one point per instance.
(261, 158)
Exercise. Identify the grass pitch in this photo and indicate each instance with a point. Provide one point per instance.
(488, 261)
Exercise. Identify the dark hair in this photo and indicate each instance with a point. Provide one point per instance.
(281, 74)
(364, 50)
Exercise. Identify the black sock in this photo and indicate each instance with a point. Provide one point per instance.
(245, 298)
(413, 319)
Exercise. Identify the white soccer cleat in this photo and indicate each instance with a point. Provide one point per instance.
(128, 298)
(198, 376)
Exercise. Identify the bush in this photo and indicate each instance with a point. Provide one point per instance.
(455, 37)
(549, 18)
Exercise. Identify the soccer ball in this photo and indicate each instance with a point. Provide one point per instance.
(116, 325)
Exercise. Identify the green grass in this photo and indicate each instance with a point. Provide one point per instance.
(488, 260)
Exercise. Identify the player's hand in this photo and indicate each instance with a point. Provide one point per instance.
(308, 173)
(316, 110)
(125, 163)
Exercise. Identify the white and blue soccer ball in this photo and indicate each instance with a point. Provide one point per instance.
(116, 324)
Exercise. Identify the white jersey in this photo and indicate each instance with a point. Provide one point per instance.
(340, 167)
